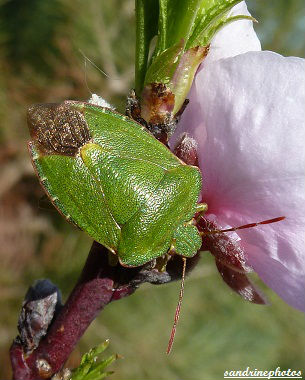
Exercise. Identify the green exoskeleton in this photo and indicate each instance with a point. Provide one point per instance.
(108, 175)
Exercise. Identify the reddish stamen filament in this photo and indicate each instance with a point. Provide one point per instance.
(178, 308)
(250, 225)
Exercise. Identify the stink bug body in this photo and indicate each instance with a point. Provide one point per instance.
(108, 175)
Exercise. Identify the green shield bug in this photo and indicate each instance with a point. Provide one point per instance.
(112, 178)
(109, 176)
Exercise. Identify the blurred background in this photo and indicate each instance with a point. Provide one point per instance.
(42, 48)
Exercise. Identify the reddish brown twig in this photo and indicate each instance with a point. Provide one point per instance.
(98, 285)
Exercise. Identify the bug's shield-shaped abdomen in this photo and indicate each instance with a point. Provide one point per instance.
(57, 128)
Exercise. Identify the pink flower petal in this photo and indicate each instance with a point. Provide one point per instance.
(289, 285)
(247, 115)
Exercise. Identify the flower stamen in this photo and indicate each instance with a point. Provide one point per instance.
(244, 226)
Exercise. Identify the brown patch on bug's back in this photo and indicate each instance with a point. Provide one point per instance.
(57, 128)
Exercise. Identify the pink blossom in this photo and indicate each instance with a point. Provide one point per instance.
(246, 113)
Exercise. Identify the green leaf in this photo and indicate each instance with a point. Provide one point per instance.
(184, 74)
(176, 21)
(90, 368)
(158, 71)
(146, 28)
(211, 14)
(226, 21)
(180, 26)
(94, 352)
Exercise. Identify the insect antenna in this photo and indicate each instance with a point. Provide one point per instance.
(177, 312)
(93, 64)
(244, 226)
(87, 59)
